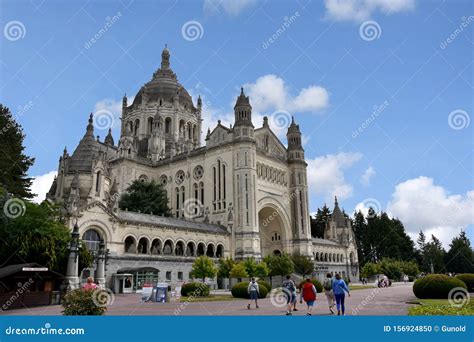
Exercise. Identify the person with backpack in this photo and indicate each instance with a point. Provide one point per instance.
(308, 293)
(253, 290)
(327, 285)
(289, 289)
(340, 288)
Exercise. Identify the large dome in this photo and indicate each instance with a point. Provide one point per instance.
(164, 85)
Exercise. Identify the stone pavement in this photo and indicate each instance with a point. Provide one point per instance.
(374, 301)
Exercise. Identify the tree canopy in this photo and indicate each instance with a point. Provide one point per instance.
(279, 265)
(460, 257)
(147, 197)
(203, 268)
(14, 164)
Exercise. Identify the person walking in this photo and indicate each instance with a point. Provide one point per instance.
(253, 290)
(340, 288)
(405, 279)
(289, 289)
(327, 285)
(308, 293)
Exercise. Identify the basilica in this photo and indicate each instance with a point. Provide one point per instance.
(242, 193)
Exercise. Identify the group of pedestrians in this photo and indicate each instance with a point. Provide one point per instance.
(335, 289)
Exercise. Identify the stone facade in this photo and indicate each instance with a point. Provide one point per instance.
(242, 194)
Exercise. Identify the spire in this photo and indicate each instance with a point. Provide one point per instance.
(199, 102)
(243, 110)
(124, 100)
(109, 139)
(165, 58)
(335, 202)
(90, 127)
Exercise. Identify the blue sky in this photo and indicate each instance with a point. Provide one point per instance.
(385, 111)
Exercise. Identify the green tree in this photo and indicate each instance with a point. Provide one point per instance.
(203, 267)
(302, 264)
(318, 223)
(279, 265)
(262, 270)
(359, 226)
(225, 266)
(146, 197)
(250, 266)
(238, 271)
(460, 257)
(14, 164)
(434, 255)
(369, 269)
(36, 235)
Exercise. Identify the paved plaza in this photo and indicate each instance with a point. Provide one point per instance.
(373, 301)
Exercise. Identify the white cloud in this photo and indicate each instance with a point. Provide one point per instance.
(269, 92)
(231, 7)
(326, 175)
(41, 185)
(422, 205)
(360, 10)
(110, 105)
(368, 174)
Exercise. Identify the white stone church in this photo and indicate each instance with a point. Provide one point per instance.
(243, 194)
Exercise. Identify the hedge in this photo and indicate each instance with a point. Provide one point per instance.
(264, 283)
(436, 286)
(316, 283)
(240, 290)
(195, 290)
(82, 302)
(468, 279)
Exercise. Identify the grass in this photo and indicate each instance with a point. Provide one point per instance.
(360, 287)
(440, 307)
(211, 298)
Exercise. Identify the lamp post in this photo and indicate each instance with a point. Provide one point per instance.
(100, 269)
(72, 279)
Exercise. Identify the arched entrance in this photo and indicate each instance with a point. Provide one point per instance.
(272, 232)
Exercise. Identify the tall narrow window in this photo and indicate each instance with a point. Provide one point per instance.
(219, 191)
(97, 182)
(201, 190)
(177, 202)
(223, 185)
(214, 175)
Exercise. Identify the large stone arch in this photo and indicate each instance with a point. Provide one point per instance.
(274, 227)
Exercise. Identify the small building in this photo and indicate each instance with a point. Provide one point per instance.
(26, 285)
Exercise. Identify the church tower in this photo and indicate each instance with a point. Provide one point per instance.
(247, 238)
(298, 191)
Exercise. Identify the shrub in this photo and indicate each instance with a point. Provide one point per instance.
(436, 286)
(81, 302)
(262, 282)
(316, 283)
(468, 279)
(195, 290)
(240, 290)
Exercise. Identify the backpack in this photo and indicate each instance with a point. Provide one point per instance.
(327, 284)
(289, 285)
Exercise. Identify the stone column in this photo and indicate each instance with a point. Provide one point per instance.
(100, 269)
(72, 279)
